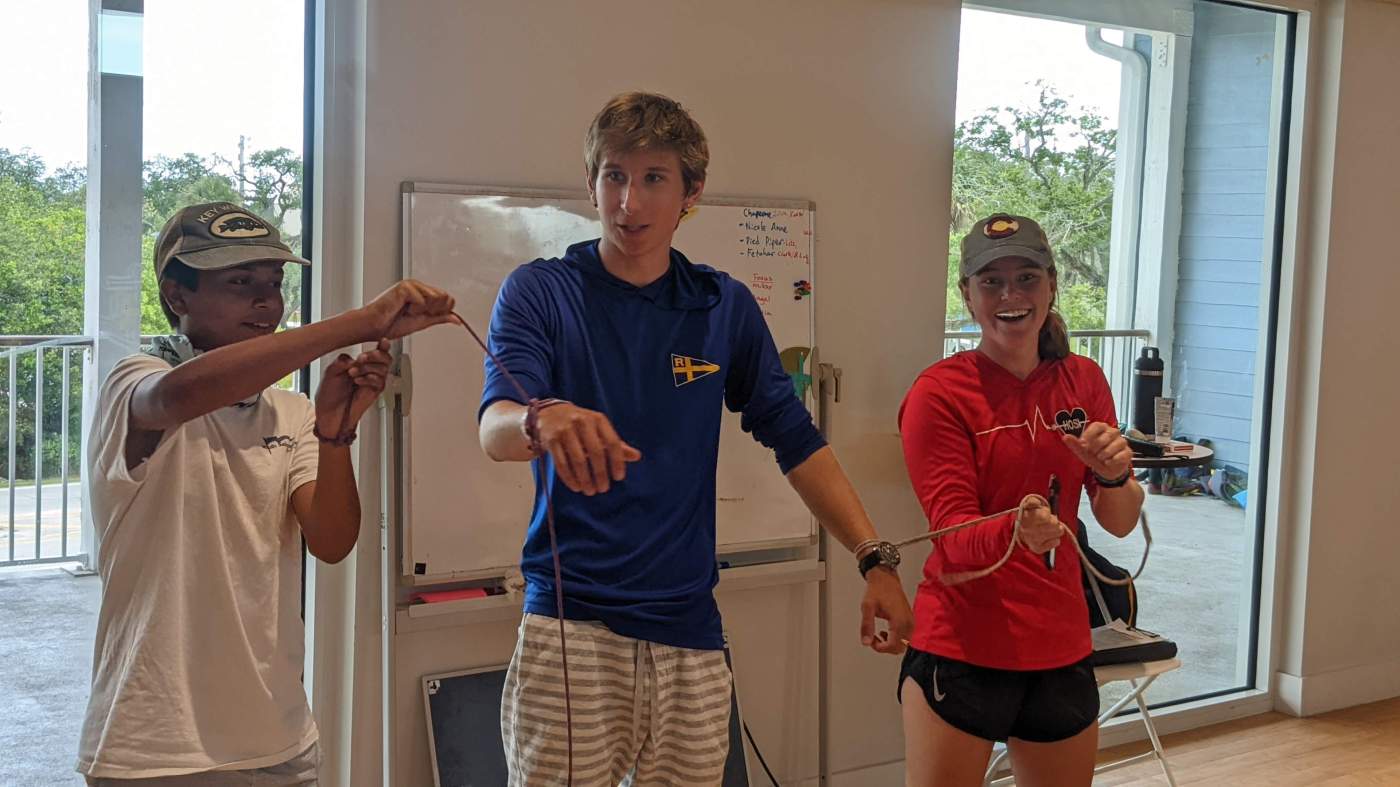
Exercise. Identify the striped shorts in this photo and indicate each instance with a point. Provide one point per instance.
(644, 714)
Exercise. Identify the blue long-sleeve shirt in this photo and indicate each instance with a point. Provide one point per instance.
(657, 361)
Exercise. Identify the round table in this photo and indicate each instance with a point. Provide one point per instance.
(1197, 456)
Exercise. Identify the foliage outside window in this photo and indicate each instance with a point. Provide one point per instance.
(43, 231)
(1051, 164)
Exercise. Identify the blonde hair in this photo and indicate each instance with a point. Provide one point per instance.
(640, 121)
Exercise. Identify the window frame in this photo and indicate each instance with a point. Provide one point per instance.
(1150, 285)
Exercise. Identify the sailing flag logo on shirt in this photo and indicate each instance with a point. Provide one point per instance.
(685, 369)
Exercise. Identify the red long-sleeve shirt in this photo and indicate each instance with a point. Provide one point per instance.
(976, 441)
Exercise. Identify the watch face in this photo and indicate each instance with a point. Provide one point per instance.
(889, 554)
(884, 554)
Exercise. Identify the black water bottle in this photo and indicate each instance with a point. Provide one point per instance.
(1147, 386)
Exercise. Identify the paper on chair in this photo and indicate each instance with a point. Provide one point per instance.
(1118, 634)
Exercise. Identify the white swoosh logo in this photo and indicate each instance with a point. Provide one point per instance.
(937, 695)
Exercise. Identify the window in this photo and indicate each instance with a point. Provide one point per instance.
(1041, 146)
(223, 121)
(1148, 139)
(193, 101)
(43, 230)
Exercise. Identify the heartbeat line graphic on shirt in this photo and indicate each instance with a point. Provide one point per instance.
(1066, 421)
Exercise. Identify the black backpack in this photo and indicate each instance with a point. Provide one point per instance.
(1121, 600)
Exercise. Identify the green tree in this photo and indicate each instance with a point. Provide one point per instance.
(269, 184)
(42, 235)
(42, 248)
(1053, 165)
(172, 183)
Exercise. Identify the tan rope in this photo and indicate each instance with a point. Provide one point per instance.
(960, 577)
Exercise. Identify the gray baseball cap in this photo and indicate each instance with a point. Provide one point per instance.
(1004, 235)
(216, 235)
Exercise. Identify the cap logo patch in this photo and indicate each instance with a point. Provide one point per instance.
(237, 225)
(1001, 228)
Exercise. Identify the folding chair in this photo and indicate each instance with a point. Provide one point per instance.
(1139, 675)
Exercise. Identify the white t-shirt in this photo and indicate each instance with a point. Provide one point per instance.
(198, 659)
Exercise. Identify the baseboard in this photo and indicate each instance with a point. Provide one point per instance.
(77, 569)
(890, 774)
(1129, 728)
(1309, 695)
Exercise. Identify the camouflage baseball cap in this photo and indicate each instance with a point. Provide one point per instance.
(1003, 235)
(217, 235)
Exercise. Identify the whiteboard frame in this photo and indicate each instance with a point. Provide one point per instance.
(399, 454)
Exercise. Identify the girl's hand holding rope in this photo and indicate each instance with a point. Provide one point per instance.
(1103, 449)
(1040, 529)
(1029, 503)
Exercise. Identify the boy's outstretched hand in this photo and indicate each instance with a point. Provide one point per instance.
(406, 307)
(588, 453)
(885, 599)
(362, 378)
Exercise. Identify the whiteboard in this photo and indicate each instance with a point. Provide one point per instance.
(464, 516)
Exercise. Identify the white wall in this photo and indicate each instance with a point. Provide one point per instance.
(846, 102)
(1341, 643)
(1226, 227)
(849, 103)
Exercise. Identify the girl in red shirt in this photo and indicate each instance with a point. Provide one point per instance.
(1005, 657)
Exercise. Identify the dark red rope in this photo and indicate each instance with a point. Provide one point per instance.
(532, 415)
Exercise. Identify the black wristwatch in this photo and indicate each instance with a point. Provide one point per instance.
(1114, 483)
(884, 554)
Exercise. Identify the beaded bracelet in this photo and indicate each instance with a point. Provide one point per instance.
(535, 406)
(339, 441)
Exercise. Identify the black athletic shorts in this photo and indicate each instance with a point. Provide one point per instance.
(1041, 706)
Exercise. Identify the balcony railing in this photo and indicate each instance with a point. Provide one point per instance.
(40, 403)
(42, 496)
(1112, 350)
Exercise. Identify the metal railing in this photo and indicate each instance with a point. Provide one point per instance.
(31, 404)
(31, 355)
(1113, 350)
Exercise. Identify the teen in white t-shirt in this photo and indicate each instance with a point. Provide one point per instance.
(202, 483)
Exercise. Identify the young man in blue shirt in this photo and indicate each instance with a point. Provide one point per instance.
(612, 328)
